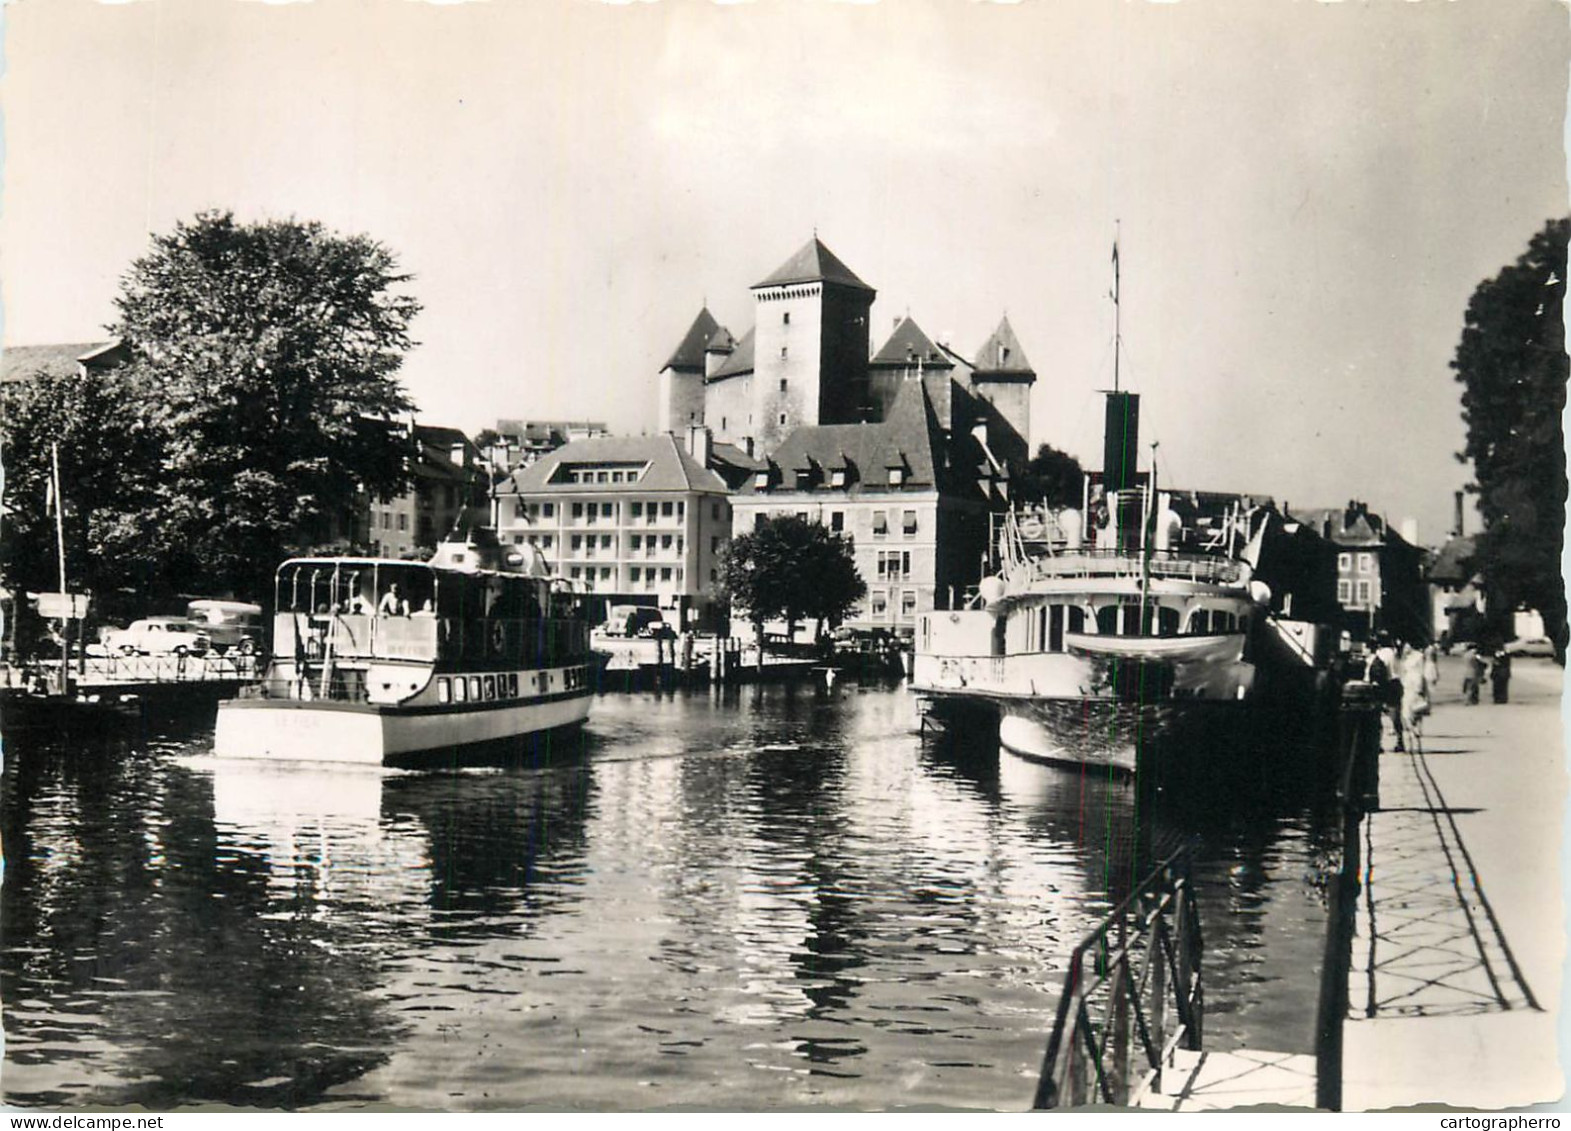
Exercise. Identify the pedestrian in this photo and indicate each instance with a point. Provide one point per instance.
(1472, 674)
(1413, 675)
(393, 603)
(1500, 676)
(1432, 666)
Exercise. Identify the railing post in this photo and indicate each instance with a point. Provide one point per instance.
(1158, 996)
(1119, 1069)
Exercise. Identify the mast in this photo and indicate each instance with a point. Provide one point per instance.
(65, 625)
(1117, 310)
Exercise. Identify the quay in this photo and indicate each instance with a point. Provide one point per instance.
(1442, 978)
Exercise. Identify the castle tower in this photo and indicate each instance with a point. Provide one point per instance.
(1003, 379)
(682, 378)
(810, 345)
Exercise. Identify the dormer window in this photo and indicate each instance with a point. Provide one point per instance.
(837, 477)
(897, 476)
(804, 478)
(761, 481)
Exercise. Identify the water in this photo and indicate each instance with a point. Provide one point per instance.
(780, 899)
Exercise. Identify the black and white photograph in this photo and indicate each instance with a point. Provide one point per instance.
(809, 556)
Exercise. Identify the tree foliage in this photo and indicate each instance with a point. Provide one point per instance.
(1051, 477)
(790, 569)
(251, 416)
(1512, 365)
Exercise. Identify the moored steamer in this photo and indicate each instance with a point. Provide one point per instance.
(415, 664)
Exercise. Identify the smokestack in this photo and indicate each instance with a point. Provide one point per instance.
(1120, 441)
(1457, 527)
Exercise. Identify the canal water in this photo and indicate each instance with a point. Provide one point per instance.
(778, 897)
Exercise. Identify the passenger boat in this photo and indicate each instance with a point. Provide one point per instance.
(473, 656)
(1103, 642)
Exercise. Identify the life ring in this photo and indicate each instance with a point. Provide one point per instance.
(1031, 527)
(498, 637)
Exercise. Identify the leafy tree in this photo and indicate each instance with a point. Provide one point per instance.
(269, 351)
(1512, 365)
(790, 569)
(1051, 477)
(110, 453)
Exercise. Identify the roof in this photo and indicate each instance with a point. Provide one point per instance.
(908, 345)
(814, 263)
(1001, 353)
(17, 363)
(1452, 565)
(740, 361)
(720, 341)
(1332, 524)
(689, 353)
(670, 468)
(909, 438)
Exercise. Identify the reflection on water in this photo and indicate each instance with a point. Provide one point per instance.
(776, 898)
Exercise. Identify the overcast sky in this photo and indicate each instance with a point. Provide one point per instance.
(1308, 192)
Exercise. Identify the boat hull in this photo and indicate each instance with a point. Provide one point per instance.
(406, 737)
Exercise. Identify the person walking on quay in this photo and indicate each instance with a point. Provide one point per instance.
(1500, 676)
(1432, 666)
(1388, 689)
(1472, 674)
(1413, 679)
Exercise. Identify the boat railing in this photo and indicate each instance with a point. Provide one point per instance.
(1166, 564)
(1132, 997)
(339, 687)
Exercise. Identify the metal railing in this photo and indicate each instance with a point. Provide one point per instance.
(1198, 568)
(1136, 972)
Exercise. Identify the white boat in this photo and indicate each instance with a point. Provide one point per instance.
(415, 663)
(1098, 646)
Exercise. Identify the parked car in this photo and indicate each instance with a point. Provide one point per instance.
(631, 620)
(153, 636)
(228, 624)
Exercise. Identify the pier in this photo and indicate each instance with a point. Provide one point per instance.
(1443, 950)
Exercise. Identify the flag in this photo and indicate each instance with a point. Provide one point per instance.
(1114, 291)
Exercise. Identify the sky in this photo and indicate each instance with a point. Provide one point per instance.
(1305, 193)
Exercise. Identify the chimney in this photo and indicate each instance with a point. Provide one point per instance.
(698, 444)
(1457, 528)
(1120, 441)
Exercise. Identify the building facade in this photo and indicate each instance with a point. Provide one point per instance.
(1378, 573)
(446, 480)
(914, 507)
(635, 519)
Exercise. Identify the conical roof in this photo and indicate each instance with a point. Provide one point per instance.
(814, 263)
(907, 345)
(690, 354)
(1001, 353)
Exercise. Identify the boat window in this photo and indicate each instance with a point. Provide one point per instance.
(458, 690)
(1077, 619)
(1199, 622)
(444, 691)
(490, 687)
(1055, 628)
(1107, 620)
(1166, 621)
(474, 688)
(512, 685)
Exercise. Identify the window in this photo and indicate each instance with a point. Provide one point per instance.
(681, 509)
(1366, 563)
(608, 509)
(785, 318)
(880, 603)
(665, 573)
(714, 545)
(1363, 592)
(679, 544)
(783, 351)
(518, 539)
(578, 510)
(837, 477)
(837, 520)
(802, 515)
(605, 573)
(638, 509)
(722, 424)
(616, 477)
(605, 541)
(897, 476)
(546, 540)
(665, 541)
(782, 418)
(578, 542)
(634, 573)
(638, 541)
(782, 384)
(520, 510)
(907, 603)
(403, 522)
(880, 524)
(758, 520)
(1344, 591)
(575, 572)
(549, 510)
(761, 480)
(601, 477)
(908, 522)
(1344, 562)
(387, 520)
(459, 694)
(444, 691)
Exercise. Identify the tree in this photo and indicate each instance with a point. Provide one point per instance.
(1512, 365)
(110, 454)
(790, 569)
(1053, 478)
(269, 351)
